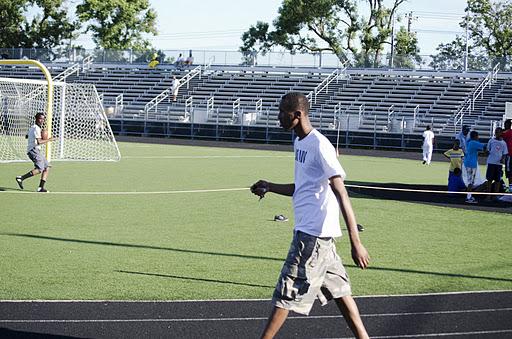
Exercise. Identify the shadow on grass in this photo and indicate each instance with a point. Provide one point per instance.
(409, 193)
(107, 243)
(195, 279)
(243, 256)
(14, 334)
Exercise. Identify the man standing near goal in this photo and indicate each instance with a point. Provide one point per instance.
(35, 140)
(313, 268)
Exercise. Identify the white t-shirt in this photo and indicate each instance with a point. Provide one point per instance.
(497, 149)
(316, 208)
(428, 138)
(174, 86)
(33, 134)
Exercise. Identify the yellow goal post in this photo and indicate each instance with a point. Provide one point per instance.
(49, 106)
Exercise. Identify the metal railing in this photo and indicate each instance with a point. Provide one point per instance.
(210, 103)
(236, 110)
(325, 84)
(119, 104)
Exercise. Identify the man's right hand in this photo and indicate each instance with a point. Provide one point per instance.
(260, 188)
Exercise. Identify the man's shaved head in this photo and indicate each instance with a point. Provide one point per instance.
(294, 101)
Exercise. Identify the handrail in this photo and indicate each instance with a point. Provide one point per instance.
(185, 80)
(87, 62)
(210, 106)
(416, 111)
(236, 107)
(189, 103)
(459, 115)
(312, 95)
(391, 111)
(259, 106)
(119, 104)
(156, 100)
(75, 68)
(469, 104)
(361, 114)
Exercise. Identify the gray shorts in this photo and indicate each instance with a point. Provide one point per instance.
(312, 270)
(38, 159)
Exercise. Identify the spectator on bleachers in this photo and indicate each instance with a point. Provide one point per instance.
(455, 154)
(154, 61)
(180, 61)
(498, 150)
(174, 87)
(428, 145)
(190, 59)
(471, 163)
(463, 137)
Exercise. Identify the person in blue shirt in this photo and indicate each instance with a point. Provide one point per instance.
(455, 182)
(471, 162)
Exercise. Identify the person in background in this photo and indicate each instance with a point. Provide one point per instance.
(455, 183)
(463, 137)
(154, 61)
(35, 140)
(190, 59)
(455, 154)
(428, 145)
(507, 137)
(175, 86)
(498, 150)
(471, 163)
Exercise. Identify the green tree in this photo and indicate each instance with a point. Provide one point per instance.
(41, 24)
(489, 27)
(406, 50)
(326, 25)
(489, 23)
(451, 56)
(118, 24)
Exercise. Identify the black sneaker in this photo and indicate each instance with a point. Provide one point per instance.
(280, 217)
(42, 190)
(360, 227)
(19, 181)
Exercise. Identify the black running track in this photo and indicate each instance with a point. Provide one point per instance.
(460, 315)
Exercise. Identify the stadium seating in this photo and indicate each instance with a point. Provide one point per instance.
(372, 99)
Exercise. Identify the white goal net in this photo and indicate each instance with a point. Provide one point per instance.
(78, 122)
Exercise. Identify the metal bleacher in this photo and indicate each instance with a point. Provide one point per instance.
(375, 99)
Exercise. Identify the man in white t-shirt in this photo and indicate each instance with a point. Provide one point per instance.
(35, 140)
(428, 145)
(313, 269)
(175, 85)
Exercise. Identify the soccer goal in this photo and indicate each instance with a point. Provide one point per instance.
(74, 116)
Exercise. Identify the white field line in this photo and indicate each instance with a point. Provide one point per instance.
(249, 300)
(206, 156)
(242, 188)
(302, 318)
(132, 192)
(445, 334)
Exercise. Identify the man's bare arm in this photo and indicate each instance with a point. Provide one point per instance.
(261, 187)
(359, 252)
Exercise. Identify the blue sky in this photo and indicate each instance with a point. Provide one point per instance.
(218, 25)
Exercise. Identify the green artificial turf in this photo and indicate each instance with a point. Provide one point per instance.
(224, 244)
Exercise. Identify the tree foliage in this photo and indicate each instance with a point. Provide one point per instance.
(118, 24)
(407, 52)
(326, 25)
(489, 26)
(46, 24)
(47, 28)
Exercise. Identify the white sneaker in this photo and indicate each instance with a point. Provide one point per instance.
(471, 201)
